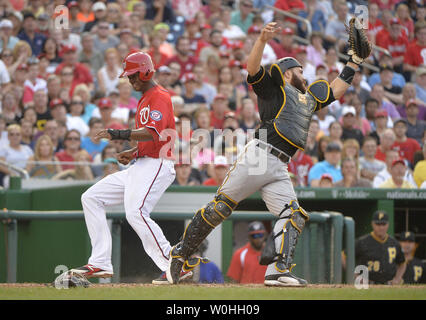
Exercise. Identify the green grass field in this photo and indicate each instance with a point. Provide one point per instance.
(209, 292)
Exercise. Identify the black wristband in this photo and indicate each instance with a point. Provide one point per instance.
(347, 74)
(120, 134)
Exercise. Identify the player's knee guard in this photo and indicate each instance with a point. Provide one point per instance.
(282, 242)
(203, 222)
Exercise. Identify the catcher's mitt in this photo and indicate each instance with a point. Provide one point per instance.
(70, 279)
(359, 46)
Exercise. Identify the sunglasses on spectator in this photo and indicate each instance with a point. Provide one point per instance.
(67, 74)
(247, 5)
(73, 138)
(11, 134)
(76, 102)
(257, 235)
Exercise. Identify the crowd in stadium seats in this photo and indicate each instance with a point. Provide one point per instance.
(60, 62)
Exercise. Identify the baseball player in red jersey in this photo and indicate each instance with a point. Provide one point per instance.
(141, 185)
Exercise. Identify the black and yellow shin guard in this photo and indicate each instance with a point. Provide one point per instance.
(292, 229)
(203, 222)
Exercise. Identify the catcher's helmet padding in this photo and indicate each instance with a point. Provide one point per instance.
(277, 69)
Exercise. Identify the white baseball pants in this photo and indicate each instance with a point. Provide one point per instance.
(139, 187)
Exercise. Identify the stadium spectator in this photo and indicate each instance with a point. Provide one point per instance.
(243, 17)
(380, 252)
(203, 88)
(27, 133)
(51, 129)
(348, 125)
(192, 100)
(249, 118)
(350, 175)
(212, 9)
(420, 84)
(88, 143)
(300, 165)
(8, 40)
(14, 152)
(8, 66)
(33, 82)
(387, 140)
(218, 109)
(378, 93)
(315, 50)
(284, 45)
(396, 42)
(326, 181)
(221, 167)
(351, 149)
(331, 59)
(311, 147)
(103, 38)
(391, 91)
(374, 21)
(9, 107)
(324, 119)
(88, 53)
(41, 108)
(380, 123)
(183, 174)
(72, 143)
(361, 87)
(406, 146)
(335, 31)
(74, 119)
(230, 31)
(413, 58)
(159, 58)
(419, 173)
(369, 165)
(415, 127)
(80, 73)
(43, 164)
(397, 179)
(34, 39)
(382, 176)
(107, 76)
(245, 267)
(398, 79)
(182, 56)
(329, 165)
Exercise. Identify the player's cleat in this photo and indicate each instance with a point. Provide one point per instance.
(286, 279)
(175, 266)
(162, 279)
(90, 271)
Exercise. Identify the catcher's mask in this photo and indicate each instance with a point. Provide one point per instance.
(277, 69)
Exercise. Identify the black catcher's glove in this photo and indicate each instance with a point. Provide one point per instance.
(359, 46)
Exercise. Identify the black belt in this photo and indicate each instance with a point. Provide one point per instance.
(280, 155)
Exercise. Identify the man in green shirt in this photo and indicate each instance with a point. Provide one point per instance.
(244, 16)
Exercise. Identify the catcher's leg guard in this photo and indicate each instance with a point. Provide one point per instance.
(203, 222)
(281, 245)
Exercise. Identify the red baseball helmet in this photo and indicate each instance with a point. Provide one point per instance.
(138, 62)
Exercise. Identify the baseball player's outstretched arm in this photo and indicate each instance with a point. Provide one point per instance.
(339, 86)
(255, 57)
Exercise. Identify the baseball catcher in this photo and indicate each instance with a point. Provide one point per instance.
(286, 105)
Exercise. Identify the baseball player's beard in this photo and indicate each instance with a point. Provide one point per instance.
(299, 83)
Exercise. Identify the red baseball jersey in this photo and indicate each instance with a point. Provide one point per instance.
(155, 112)
(415, 55)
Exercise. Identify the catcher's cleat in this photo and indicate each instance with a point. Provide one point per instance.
(286, 279)
(90, 271)
(175, 266)
(162, 279)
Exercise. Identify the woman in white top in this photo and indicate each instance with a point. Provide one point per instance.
(109, 73)
(14, 153)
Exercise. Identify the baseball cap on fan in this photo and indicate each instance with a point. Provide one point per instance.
(220, 161)
(256, 229)
(407, 236)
